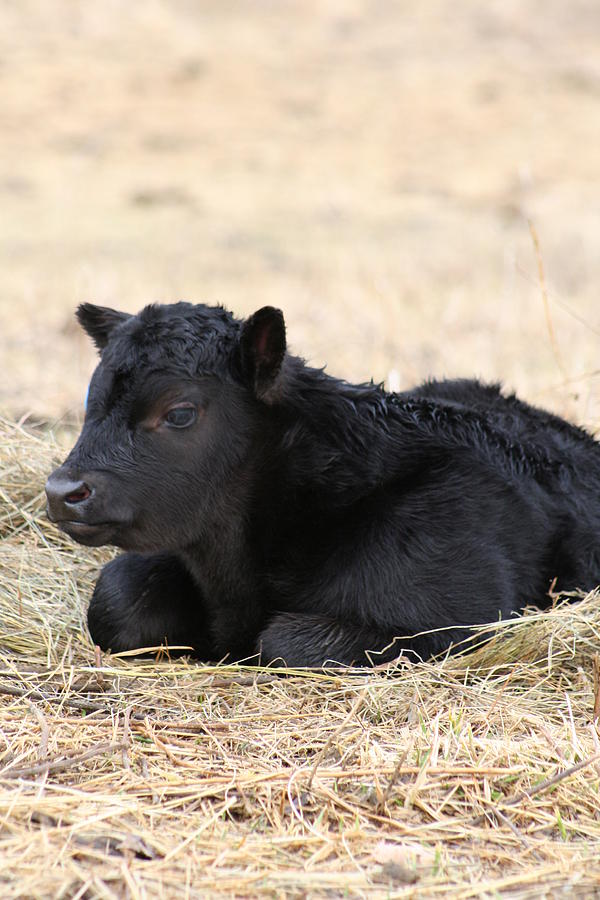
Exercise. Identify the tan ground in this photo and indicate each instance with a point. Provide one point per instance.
(368, 166)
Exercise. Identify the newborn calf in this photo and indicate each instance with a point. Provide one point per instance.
(268, 508)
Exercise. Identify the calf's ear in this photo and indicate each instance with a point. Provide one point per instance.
(262, 351)
(99, 321)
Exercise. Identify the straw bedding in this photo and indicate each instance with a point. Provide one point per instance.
(475, 776)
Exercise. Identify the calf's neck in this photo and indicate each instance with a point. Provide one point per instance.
(268, 510)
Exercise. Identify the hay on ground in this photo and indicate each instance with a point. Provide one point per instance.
(475, 775)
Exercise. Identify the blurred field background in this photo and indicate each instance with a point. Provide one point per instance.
(368, 166)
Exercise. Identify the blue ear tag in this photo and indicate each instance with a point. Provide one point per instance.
(87, 394)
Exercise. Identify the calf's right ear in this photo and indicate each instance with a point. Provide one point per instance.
(262, 351)
(99, 322)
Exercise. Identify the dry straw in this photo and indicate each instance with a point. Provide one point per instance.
(472, 776)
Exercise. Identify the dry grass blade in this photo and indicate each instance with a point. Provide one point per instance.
(542, 281)
(474, 775)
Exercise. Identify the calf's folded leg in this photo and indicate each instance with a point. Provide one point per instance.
(295, 640)
(145, 601)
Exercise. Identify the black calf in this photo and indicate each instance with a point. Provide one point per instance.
(271, 509)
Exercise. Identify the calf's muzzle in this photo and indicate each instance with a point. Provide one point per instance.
(68, 497)
(86, 506)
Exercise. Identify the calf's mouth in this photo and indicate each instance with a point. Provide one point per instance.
(92, 534)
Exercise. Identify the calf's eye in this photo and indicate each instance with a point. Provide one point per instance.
(181, 416)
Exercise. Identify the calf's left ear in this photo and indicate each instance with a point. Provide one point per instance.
(262, 351)
(99, 321)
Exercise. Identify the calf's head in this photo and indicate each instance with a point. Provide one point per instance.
(177, 410)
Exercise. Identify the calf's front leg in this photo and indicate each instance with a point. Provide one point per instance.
(144, 601)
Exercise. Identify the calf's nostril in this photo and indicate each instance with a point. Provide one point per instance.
(81, 493)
